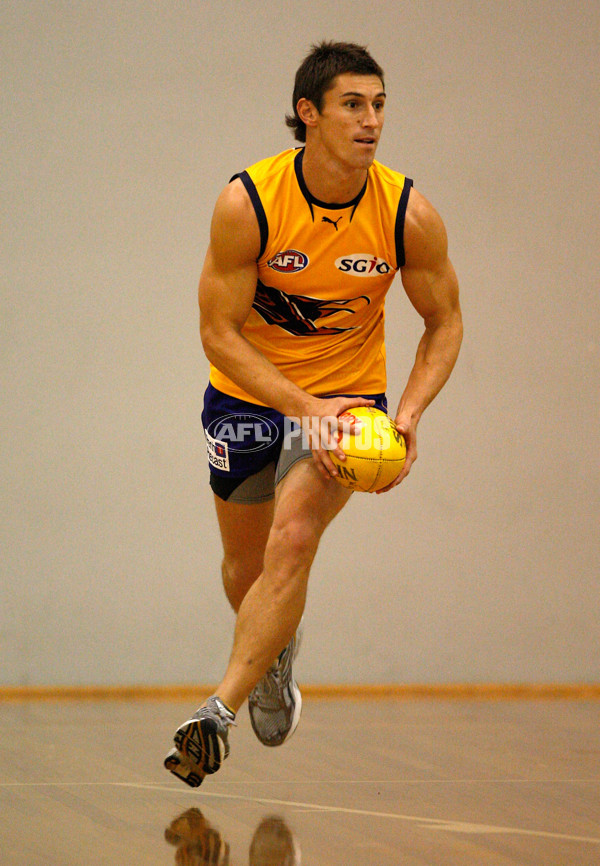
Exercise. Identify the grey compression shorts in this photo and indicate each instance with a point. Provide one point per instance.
(260, 487)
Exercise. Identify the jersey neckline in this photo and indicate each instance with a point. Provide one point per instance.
(310, 198)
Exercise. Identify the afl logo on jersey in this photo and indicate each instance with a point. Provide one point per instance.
(288, 262)
(363, 265)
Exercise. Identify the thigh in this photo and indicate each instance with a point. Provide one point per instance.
(305, 499)
(305, 503)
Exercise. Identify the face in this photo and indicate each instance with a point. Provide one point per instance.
(351, 120)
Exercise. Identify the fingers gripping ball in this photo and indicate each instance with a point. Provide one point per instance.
(375, 451)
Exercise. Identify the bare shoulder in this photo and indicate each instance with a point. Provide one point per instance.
(428, 276)
(425, 238)
(234, 228)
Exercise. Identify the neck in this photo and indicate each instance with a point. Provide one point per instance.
(330, 182)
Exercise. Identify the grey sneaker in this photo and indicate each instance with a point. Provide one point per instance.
(201, 743)
(275, 703)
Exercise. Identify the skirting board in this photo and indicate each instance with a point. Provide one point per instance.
(354, 691)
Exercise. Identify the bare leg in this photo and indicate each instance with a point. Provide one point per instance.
(272, 607)
(244, 533)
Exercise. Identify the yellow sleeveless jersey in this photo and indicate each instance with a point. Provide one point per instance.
(323, 273)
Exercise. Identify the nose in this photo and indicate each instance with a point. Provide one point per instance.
(370, 118)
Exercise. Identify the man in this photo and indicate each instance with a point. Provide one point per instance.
(303, 249)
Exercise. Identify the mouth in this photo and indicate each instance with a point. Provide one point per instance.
(366, 140)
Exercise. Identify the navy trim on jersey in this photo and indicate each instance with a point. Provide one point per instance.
(400, 219)
(261, 216)
(315, 201)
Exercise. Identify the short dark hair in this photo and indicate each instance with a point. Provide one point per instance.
(314, 77)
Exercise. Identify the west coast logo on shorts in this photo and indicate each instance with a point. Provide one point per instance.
(218, 452)
(288, 262)
(363, 265)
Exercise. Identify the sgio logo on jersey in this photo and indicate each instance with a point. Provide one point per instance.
(363, 265)
(288, 262)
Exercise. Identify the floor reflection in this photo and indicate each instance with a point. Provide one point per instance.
(198, 843)
(274, 844)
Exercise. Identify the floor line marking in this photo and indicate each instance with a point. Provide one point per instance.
(426, 823)
(232, 782)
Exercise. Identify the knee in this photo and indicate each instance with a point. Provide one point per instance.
(240, 571)
(238, 576)
(292, 545)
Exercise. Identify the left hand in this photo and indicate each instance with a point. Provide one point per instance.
(408, 427)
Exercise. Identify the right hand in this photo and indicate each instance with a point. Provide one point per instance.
(323, 428)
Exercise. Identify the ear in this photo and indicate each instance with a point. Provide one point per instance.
(307, 111)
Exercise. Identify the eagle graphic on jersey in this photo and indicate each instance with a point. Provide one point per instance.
(299, 314)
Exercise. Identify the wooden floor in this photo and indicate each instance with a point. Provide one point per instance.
(403, 782)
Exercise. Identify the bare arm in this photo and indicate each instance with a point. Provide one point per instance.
(226, 293)
(431, 285)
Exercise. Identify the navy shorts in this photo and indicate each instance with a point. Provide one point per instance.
(251, 448)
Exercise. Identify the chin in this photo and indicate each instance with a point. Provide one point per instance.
(366, 160)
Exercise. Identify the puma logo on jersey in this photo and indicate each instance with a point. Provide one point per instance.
(333, 222)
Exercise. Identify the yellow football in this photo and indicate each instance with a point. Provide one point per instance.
(375, 451)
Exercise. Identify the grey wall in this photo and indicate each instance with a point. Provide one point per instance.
(121, 123)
